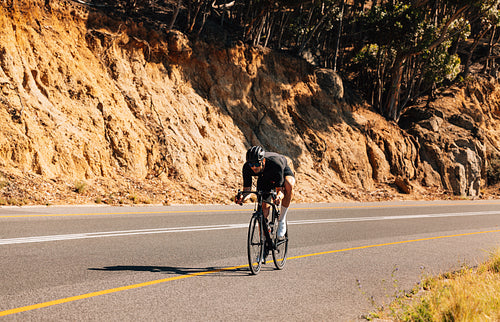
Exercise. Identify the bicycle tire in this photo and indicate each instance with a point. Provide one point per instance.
(281, 246)
(255, 245)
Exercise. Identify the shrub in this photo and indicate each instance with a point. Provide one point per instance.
(3, 183)
(80, 186)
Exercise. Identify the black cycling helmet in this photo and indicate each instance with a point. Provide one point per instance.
(255, 154)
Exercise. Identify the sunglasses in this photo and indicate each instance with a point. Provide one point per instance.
(255, 164)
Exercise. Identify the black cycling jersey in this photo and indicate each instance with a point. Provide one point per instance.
(273, 175)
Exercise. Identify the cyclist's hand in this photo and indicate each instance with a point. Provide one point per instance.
(239, 199)
(278, 198)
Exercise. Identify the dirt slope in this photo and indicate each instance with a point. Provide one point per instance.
(100, 110)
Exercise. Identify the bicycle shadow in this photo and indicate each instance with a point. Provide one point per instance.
(172, 270)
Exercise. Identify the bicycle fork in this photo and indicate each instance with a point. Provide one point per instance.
(268, 228)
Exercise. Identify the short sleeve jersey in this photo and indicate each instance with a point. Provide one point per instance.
(273, 175)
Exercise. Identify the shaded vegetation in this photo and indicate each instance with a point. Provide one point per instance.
(394, 51)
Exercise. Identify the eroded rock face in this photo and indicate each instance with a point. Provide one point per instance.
(147, 115)
(452, 146)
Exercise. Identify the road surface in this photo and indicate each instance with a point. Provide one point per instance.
(188, 263)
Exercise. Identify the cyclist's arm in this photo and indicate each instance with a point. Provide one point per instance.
(247, 185)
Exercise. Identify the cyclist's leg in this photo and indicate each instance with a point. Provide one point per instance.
(288, 190)
(265, 210)
(285, 203)
(288, 193)
(261, 185)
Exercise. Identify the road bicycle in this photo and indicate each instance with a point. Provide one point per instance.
(263, 235)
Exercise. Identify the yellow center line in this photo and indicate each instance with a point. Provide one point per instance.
(154, 282)
(394, 243)
(246, 209)
(113, 290)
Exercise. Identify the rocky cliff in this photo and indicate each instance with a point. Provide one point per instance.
(94, 109)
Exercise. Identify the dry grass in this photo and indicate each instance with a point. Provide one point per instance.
(466, 295)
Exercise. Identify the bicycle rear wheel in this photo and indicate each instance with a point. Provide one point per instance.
(281, 246)
(255, 245)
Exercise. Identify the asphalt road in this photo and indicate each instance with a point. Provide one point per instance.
(183, 263)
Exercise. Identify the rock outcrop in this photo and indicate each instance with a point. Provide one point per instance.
(94, 109)
(457, 137)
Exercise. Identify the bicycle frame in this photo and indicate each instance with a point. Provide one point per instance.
(258, 211)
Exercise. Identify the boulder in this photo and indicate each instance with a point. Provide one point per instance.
(403, 184)
(330, 82)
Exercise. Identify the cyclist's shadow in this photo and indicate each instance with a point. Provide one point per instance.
(219, 271)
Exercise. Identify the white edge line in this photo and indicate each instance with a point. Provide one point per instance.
(39, 239)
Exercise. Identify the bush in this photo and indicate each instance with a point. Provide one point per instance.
(80, 187)
(3, 182)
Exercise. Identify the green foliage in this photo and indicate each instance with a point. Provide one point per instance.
(367, 56)
(440, 65)
(418, 43)
(3, 183)
(492, 12)
(421, 313)
(80, 187)
(395, 25)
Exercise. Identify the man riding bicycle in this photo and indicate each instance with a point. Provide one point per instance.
(273, 172)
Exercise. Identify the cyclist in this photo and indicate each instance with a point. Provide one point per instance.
(273, 172)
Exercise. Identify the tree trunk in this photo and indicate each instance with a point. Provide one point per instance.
(339, 35)
(391, 106)
(468, 62)
(308, 22)
(269, 30)
(192, 20)
(284, 19)
(176, 12)
(311, 34)
(205, 13)
(379, 83)
(256, 40)
(490, 50)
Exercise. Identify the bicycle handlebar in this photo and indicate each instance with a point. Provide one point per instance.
(260, 194)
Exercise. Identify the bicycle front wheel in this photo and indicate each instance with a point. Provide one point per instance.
(280, 247)
(255, 245)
